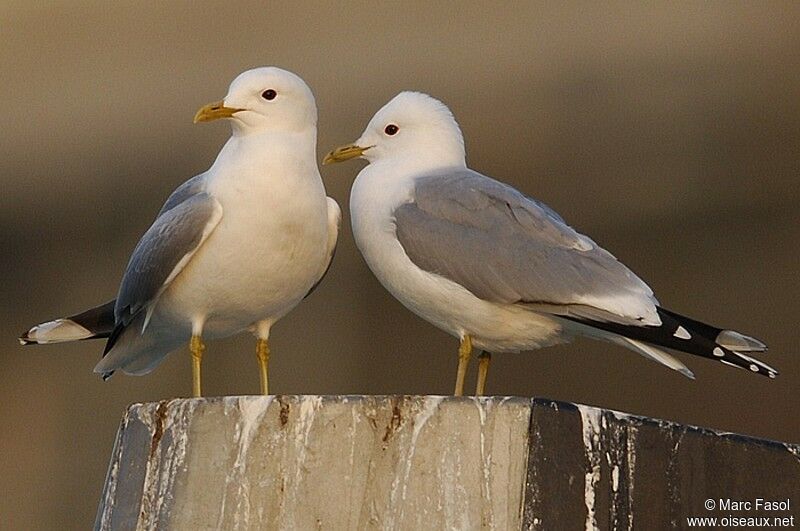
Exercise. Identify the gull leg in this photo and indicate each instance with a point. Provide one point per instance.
(483, 371)
(261, 330)
(262, 353)
(196, 347)
(464, 352)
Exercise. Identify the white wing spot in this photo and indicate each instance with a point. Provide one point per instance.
(682, 333)
(718, 352)
(58, 331)
(583, 244)
(754, 367)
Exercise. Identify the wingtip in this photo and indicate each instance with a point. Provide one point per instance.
(24, 339)
(737, 341)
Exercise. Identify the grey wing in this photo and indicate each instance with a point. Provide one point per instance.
(187, 190)
(163, 252)
(505, 247)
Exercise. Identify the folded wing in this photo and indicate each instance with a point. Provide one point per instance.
(505, 247)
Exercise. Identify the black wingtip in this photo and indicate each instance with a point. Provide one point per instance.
(683, 334)
(107, 375)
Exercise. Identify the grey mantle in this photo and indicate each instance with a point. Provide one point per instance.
(427, 462)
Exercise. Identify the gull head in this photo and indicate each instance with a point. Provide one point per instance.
(413, 128)
(264, 99)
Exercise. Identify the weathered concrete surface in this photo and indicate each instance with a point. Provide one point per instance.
(319, 463)
(293, 462)
(591, 468)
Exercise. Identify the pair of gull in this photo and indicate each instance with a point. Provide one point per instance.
(238, 246)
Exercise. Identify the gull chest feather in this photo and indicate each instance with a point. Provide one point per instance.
(264, 255)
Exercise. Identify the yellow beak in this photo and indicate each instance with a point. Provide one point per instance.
(344, 153)
(214, 111)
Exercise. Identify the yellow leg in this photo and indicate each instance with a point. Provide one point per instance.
(483, 371)
(464, 352)
(262, 353)
(196, 347)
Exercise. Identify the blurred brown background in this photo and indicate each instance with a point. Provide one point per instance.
(669, 134)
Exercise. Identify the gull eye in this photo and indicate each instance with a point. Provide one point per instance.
(269, 94)
(391, 129)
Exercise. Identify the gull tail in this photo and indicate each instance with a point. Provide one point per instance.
(681, 333)
(95, 323)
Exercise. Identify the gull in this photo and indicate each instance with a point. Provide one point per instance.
(498, 270)
(234, 248)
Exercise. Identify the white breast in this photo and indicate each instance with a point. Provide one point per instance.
(265, 254)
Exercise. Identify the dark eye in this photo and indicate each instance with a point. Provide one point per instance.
(269, 94)
(391, 129)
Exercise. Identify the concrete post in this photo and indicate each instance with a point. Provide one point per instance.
(421, 462)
